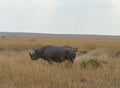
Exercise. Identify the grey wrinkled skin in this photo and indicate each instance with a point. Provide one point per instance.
(54, 53)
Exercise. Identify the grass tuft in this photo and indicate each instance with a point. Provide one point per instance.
(92, 62)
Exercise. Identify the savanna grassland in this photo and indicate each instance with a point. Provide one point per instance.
(97, 64)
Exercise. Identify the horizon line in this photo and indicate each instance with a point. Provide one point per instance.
(61, 33)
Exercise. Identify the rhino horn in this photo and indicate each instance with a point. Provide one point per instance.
(30, 54)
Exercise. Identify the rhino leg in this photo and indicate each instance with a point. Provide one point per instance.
(50, 61)
(71, 61)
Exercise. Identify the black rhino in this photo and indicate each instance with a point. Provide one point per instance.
(54, 53)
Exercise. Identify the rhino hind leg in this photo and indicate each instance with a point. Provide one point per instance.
(71, 61)
(50, 61)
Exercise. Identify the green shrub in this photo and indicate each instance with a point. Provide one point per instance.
(92, 62)
(83, 64)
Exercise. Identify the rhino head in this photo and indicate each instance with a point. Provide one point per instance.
(33, 56)
(36, 54)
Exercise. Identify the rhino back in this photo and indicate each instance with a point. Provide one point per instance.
(56, 52)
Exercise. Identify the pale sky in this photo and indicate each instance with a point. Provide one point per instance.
(61, 16)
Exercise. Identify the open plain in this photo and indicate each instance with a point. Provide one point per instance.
(97, 64)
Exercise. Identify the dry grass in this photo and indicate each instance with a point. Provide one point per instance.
(18, 71)
(17, 42)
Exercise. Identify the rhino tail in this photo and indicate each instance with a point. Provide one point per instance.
(75, 49)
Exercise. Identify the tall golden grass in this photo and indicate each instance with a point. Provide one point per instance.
(17, 70)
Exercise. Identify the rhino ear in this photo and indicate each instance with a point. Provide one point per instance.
(75, 49)
(35, 50)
